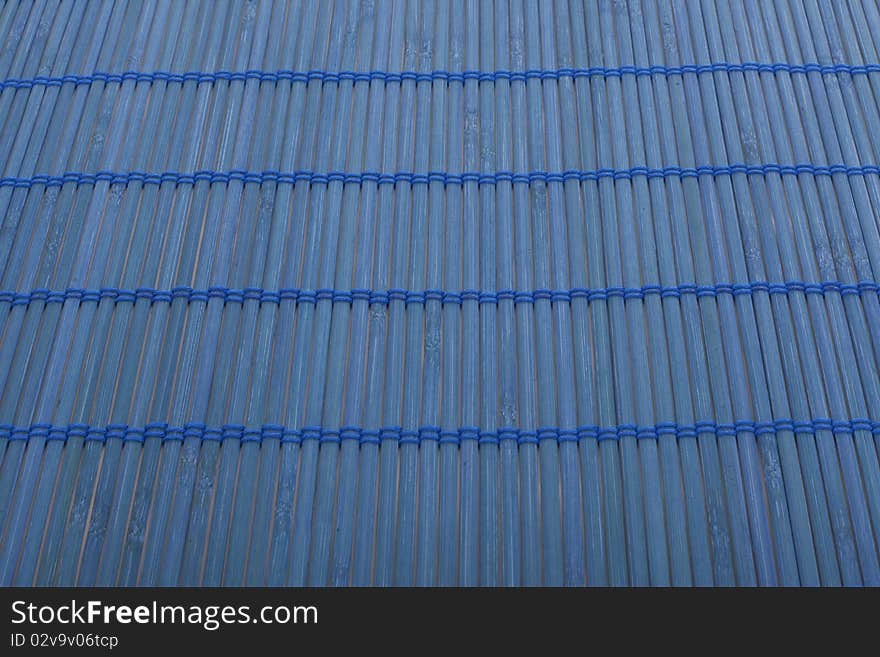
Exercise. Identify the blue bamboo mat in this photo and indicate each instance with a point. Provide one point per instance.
(465, 292)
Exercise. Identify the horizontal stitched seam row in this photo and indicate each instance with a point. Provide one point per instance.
(443, 177)
(385, 297)
(202, 77)
(241, 433)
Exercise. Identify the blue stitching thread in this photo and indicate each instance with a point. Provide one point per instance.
(444, 177)
(427, 433)
(200, 77)
(385, 297)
